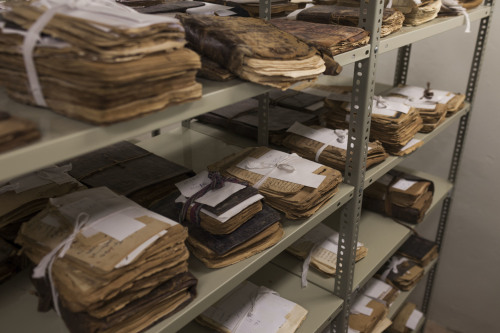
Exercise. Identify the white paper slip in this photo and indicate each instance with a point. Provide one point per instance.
(325, 237)
(193, 185)
(384, 112)
(132, 255)
(52, 174)
(286, 167)
(118, 226)
(404, 184)
(208, 9)
(414, 319)
(224, 12)
(384, 106)
(410, 144)
(442, 96)
(377, 289)
(360, 306)
(327, 136)
(214, 197)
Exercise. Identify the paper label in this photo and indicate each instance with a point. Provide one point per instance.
(351, 330)
(404, 184)
(418, 104)
(286, 167)
(411, 143)
(193, 185)
(214, 197)
(384, 107)
(324, 135)
(224, 12)
(417, 94)
(377, 289)
(325, 237)
(360, 306)
(207, 9)
(53, 174)
(414, 319)
(384, 112)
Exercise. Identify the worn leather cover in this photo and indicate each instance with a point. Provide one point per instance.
(330, 39)
(408, 274)
(128, 170)
(293, 99)
(419, 249)
(213, 71)
(16, 132)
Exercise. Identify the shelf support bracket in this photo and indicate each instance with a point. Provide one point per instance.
(459, 144)
(359, 131)
(263, 129)
(402, 65)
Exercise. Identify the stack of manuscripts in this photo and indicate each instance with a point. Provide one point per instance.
(401, 272)
(227, 221)
(392, 19)
(243, 118)
(407, 319)
(429, 102)
(402, 196)
(94, 59)
(16, 132)
(160, 6)
(417, 12)
(130, 171)
(289, 183)
(393, 123)
(381, 291)
(297, 100)
(254, 50)
(250, 308)
(420, 250)
(368, 315)
(319, 247)
(327, 146)
(107, 264)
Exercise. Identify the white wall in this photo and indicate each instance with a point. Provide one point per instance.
(466, 294)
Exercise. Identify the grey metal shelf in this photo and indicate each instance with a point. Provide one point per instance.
(321, 305)
(380, 234)
(409, 35)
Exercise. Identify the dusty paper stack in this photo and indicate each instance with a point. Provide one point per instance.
(417, 12)
(250, 308)
(161, 6)
(101, 62)
(105, 263)
(381, 291)
(320, 246)
(289, 183)
(429, 101)
(392, 19)
(368, 315)
(243, 119)
(254, 50)
(406, 320)
(402, 196)
(393, 123)
(420, 250)
(401, 272)
(16, 132)
(227, 221)
(327, 146)
(129, 170)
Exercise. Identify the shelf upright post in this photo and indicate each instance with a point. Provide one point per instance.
(459, 143)
(359, 131)
(263, 129)
(402, 64)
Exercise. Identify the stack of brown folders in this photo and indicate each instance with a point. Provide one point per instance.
(129, 170)
(381, 291)
(399, 195)
(243, 118)
(401, 272)
(226, 224)
(368, 315)
(16, 131)
(116, 65)
(419, 249)
(327, 146)
(254, 50)
(394, 124)
(406, 320)
(289, 183)
(417, 13)
(392, 19)
(321, 244)
(114, 265)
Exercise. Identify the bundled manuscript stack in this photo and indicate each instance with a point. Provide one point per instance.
(97, 61)
(16, 131)
(401, 273)
(289, 183)
(107, 264)
(417, 12)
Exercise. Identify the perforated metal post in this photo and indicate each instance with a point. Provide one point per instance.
(263, 131)
(359, 131)
(265, 9)
(402, 65)
(459, 143)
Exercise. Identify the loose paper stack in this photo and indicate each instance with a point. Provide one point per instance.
(226, 224)
(401, 272)
(16, 132)
(243, 119)
(392, 19)
(114, 266)
(321, 244)
(392, 123)
(161, 6)
(368, 315)
(401, 196)
(380, 291)
(406, 320)
(129, 170)
(289, 183)
(327, 146)
(97, 61)
(250, 308)
(417, 12)
(254, 50)
(419, 249)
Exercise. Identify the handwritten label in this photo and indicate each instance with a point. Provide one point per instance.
(377, 289)
(404, 184)
(336, 138)
(384, 106)
(410, 144)
(191, 186)
(360, 306)
(414, 319)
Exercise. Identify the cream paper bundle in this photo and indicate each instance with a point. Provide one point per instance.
(98, 61)
(417, 12)
(106, 263)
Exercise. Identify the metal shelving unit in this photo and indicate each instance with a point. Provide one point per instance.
(327, 299)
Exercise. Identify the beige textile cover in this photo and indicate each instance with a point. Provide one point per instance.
(296, 201)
